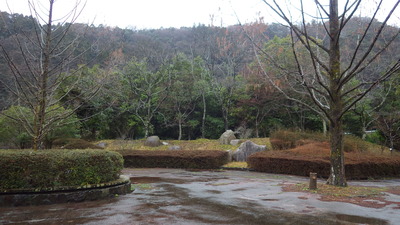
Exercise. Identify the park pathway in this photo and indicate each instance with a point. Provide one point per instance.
(175, 196)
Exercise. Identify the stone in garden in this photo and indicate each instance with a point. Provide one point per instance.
(227, 137)
(102, 144)
(230, 154)
(153, 141)
(246, 149)
(165, 143)
(235, 142)
(175, 147)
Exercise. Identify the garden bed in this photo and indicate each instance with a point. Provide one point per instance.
(314, 157)
(189, 159)
(31, 177)
(25, 197)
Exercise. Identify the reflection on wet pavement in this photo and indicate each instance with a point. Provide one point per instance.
(172, 196)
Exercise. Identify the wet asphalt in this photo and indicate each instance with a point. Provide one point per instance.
(175, 196)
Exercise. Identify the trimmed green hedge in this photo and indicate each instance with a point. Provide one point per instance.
(46, 169)
(196, 159)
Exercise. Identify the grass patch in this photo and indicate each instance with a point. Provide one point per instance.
(371, 197)
(335, 191)
(236, 165)
(143, 187)
(199, 144)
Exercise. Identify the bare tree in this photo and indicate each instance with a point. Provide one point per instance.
(388, 124)
(330, 83)
(46, 57)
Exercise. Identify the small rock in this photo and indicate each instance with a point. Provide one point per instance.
(165, 143)
(102, 144)
(235, 142)
(175, 147)
(153, 141)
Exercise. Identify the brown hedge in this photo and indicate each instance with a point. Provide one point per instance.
(73, 143)
(193, 159)
(314, 157)
(286, 139)
(47, 169)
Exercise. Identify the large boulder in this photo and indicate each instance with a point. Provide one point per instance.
(246, 149)
(227, 137)
(153, 141)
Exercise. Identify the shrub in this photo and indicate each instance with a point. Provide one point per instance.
(376, 138)
(314, 157)
(14, 133)
(355, 144)
(284, 139)
(47, 169)
(290, 162)
(74, 143)
(197, 159)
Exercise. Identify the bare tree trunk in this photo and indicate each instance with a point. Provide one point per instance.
(40, 114)
(324, 127)
(364, 132)
(225, 116)
(146, 129)
(180, 129)
(337, 176)
(257, 122)
(203, 122)
(257, 131)
(147, 118)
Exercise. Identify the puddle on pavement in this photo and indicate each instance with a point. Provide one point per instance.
(201, 210)
(240, 189)
(147, 180)
(170, 202)
(270, 200)
(189, 179)
(214, 191)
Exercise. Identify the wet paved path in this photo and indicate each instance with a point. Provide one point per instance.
(173, 196)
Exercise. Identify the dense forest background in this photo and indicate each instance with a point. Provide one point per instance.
(188, 83)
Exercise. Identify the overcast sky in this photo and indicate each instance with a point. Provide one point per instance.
(142, 14)
(155, 13)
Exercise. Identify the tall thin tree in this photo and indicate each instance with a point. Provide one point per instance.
(46, 55)
(330, 83)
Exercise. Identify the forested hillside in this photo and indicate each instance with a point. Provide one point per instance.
(187, 83)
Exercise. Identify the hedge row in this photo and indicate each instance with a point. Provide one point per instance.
(263, 162)
(285, 139)
(196, 159)
(47, 169)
